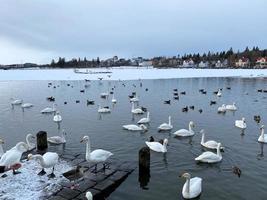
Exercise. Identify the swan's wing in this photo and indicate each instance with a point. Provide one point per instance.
(195, 186)
(211, 144)
(50, 158)
(155, 146)
(182, 132)
(207, 156)
(100, 155)
(10, 157)
(55, 139)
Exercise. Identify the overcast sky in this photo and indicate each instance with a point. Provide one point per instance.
(39, 30)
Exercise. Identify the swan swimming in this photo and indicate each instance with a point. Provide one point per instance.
(136, 110)
(241, 123)
(49, 110)
(58, 139)
(219, 93)
(133, 127)
(57, 118)
(26, 105)
(192, 187)
(134, 99)
(113, 100)
(184, 132)
(96, 156)
(103, 110)
(210, 144)
(16, 101)
(210, 157)
(263, 137)
(231, 107)
(13, 155)
(222, 109)
(144, 120)
(165, 126)
(48, 160)
(157, 146)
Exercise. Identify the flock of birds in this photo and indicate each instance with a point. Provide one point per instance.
(192, 187)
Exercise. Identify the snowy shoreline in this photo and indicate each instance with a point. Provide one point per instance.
(126, 74)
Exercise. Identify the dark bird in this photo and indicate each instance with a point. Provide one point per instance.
(54, 87)
(141, 84)
(167, 102)
(77, 101)
(265, 91)
(236, 170)
(216, 92)
(68, 84)
(192, 107)
(228, 88)
(51, 98)
(175, 90)
(204, 92)
(133, 93)
(87, 80)
(111, 92)
(82, 91)
(257, 118)
(90, 102)
(200, 110)
(213, 102)
(65, 102)
(143, 109)
(260, 90)
(107, 107)
(100, 78)
(185, 109)
(131, 96)
(183, 93)
(175, 93)
(176, 97)
(146, 89)
(151, 139)
(201, 90)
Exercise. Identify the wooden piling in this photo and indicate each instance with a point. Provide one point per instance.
(41, 141)
(144, 167)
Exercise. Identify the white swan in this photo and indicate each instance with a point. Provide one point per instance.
(144, 120)
(210, 157)
(104, 94)
(219, 93)
(184, 132)
(58, 139)
(222, 109)
(16, 101)
(165, 126)
(113, 100)
(29, 142)
(241, 123)
(210, 144)
(57, 118)
(96, 156)
(89, 195)
(231, 107)
(1, 147)
(192, 187)
(103, 110)
(49, 110)
(136, 110)
(48, 160)
(263, 137)
(134, 99)
(133, 127)
(158, 147)
(13, 155)
(26, 105)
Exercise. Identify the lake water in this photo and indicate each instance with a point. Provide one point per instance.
(106, 130)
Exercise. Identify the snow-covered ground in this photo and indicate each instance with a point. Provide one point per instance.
(126, 74)
(28, 185)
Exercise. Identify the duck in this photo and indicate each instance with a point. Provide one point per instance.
(219, 93)
(167, 102)
(1, 147)
(96, 156)
(157, 146)
(184, 132)
(57, 118)
(136, 110)
(13, 155)
(16, 101)
(165, 126)
(222, 109)
(210, 157)
(113, 100)
(49, 109)
(231, 107)
(89, 195)
(133, 127)
(51, 98)
(210, 144)
(29, 138)
(151, 139)
(48, 160)
(90, 102)
(144, 120)
(241, 123)
(213, 102)
(263, 137)
(103, 109)
(185, 109)
(192, 187)
(58, 139)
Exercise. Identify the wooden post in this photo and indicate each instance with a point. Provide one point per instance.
(144, 167)
(41, 141)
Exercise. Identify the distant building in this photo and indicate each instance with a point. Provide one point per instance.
(261, 62)
(242, 62)
(218, 64)
(147, 63)
(203, 64)
(188, 63)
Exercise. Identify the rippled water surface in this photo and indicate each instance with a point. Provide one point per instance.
(106, 130)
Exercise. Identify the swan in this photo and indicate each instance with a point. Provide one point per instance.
(157, 146)
(165, 126)
(231, 107)
(133, 127)
(89, 195)
(222, 109)
(210, 144)
(13, 155)
(104, 94)
(241, 123)
(48, 160)
(113, 100)
(96, 156)
(219, 93)
(134, 99)
(210, 157)
(136, 110)
(103, 110)
(16, 101)
(57, 118)
(192, 187)
(1, 147)
(144, 120)
(26, 105)
(29, 138)
(49, 110)
(184, 132)
(263, 137)
(58, 139)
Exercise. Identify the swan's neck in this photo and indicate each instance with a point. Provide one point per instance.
(169, 121)
(20, 145)
(190, 128)
(203, 138)
(113, 96)
(132, 106)
(187, 185)
(88, 150)
(1, 150)
(219, 151)
(148, 115)
(40, 158)
(28, 141)
(165, 147)
(63, 136)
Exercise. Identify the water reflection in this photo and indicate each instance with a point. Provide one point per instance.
(260, 155)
